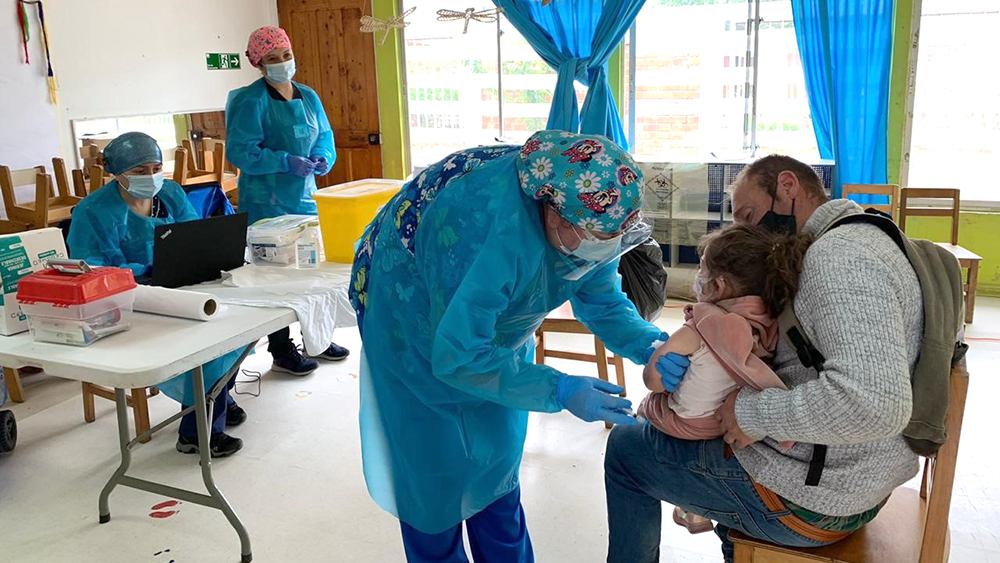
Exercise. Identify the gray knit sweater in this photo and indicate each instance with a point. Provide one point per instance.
(859, 303)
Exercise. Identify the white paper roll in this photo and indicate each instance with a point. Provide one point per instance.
(175, 303)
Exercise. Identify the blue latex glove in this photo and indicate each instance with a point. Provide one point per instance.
(672, 368)
(299, 166)
(322, 165)
(649, 351)
(588, 399)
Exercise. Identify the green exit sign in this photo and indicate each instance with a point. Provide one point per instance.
(222, 61)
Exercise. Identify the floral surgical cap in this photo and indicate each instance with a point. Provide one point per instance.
(590, 180)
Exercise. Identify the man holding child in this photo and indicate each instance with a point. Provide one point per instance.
(859, 302)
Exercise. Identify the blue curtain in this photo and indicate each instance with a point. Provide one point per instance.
(846, 52)
(577, 37)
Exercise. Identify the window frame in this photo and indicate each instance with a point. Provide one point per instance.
(970, 205)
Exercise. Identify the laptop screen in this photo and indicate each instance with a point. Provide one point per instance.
(198, 251)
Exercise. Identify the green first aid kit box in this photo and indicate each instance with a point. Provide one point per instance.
(22, 254)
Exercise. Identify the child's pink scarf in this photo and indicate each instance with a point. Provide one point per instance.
(723, 326)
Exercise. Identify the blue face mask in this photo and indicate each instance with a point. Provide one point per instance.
(280, 73)
(145, 187)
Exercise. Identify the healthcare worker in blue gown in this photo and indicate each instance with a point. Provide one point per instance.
(114, 226)
(278, 135)
(450, 283)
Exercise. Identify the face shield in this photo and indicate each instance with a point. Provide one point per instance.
(582, 251)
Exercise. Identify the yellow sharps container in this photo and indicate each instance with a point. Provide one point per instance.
(346, 209)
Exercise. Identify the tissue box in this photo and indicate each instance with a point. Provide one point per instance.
(20, 255)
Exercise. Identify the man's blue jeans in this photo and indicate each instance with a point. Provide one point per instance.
(644, 466)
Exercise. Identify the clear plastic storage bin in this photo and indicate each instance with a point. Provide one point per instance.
(74, 304)
(276, 241)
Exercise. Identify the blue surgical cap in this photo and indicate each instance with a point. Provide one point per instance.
(130, 150)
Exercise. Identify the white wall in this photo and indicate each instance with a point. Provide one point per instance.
(137, 57)
(28, 134)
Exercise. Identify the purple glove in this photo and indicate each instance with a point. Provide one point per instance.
(299, 166)
(322, 165)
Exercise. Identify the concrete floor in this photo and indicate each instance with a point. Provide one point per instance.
(298, 483)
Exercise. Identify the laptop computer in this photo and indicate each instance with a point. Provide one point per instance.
(193, 252)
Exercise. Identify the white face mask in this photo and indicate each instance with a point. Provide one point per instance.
(699, 288)
(280, 73)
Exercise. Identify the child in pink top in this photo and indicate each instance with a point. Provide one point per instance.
(746, 277)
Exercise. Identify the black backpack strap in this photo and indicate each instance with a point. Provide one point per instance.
(816, 465)
(808, 355)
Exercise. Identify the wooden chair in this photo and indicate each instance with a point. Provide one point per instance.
(913, 525)
(14, 387)
(890, 190)
(97, 177)
(137, 400)
(209, 145)
(966, 258)
(562, 320)
(186, 174)
(230, 174)
(79, 182)
(90, 151)
(48, 208)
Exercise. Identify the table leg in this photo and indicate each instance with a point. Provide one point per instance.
(970, 297)
(123, 440)
(204, 434)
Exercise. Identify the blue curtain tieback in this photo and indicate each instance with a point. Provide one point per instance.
(576, 68)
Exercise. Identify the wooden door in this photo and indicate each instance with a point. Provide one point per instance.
(338, 61)
(207, 124)
(211, 124)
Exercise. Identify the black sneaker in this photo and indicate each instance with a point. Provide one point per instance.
(221, 445)
(333, 353)
(294, 363)
(235, 415)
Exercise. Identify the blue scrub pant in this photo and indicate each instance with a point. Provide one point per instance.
(189, 422)
(498, 534)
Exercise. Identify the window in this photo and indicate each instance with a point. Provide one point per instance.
(161, 127)
(956, 116)
(694, 82)
(784, 125)
(454, 82)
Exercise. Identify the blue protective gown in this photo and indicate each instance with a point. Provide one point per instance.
(450, 283)
(106, 232)
(260, 134)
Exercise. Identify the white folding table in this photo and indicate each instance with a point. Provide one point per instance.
(156, 349)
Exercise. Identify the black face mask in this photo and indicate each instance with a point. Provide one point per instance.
(778, 224)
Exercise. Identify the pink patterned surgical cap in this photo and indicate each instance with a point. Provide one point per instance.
(265, 40)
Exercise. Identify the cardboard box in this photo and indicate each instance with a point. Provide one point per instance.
(20, 255)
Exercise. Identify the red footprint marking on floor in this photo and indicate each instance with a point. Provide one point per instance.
(163, 514)
(166, 504)
(158, 512)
